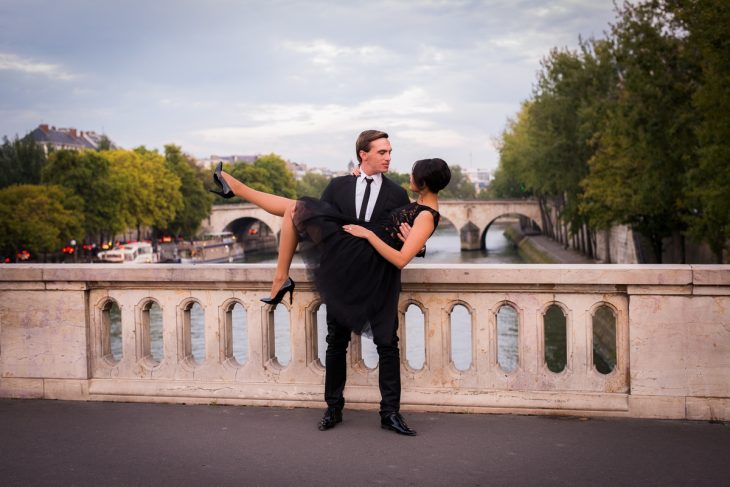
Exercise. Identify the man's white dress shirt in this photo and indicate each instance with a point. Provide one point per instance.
(360, 186)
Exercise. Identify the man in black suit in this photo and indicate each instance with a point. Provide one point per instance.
(366, 197)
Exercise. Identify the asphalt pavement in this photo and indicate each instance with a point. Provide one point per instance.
(44, 443)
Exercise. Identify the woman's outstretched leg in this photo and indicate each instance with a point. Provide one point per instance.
(276, 205)
(288, 240)
(279, 206)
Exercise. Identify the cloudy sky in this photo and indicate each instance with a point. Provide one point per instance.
(299, 78)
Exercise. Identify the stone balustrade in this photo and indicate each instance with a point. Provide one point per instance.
(668, 336)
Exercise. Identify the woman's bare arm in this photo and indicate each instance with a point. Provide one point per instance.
(422, 228)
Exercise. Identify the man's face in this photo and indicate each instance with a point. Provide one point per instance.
(377, 159)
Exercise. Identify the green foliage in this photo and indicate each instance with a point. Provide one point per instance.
(634, 128)
(312, 185)
(38, 218)
(506, 185)
(402, 179)
(268, 173)
(544, 152)
(88, 175)
(559, 160)
(638, 172)
(708, 182)
(514, 178)
(104, 143)
(196, 202)
(149, 191)
(21, 161)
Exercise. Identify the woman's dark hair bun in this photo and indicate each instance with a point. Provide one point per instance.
(433, 173)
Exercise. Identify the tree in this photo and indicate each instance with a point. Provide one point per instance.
(633, 129)
(149, 191)
(515, 155)
(87, 174)
(104, 143)
(312, 184)
(708, 182)
(267, 173)
(545, 151)
(196, 202)
(505, 185)
(402, 179)
(21, 161)
(39, 219)
(638, 171)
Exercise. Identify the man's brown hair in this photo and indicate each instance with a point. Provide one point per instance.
(364, 139)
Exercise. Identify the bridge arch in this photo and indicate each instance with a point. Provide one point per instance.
(255, 228)
(222, 218)
(526, 222)
(473, 215)
(253, 234)
(246, 225)
(472, 219)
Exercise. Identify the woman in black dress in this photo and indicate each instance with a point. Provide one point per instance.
(355, 264)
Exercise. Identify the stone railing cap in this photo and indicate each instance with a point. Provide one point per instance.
(468, 274)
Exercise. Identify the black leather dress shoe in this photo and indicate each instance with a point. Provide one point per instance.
(395, 422)
(331, 417)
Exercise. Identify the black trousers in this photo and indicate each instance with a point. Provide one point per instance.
(386, 341)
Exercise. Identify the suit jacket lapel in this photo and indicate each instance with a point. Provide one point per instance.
(382, 198)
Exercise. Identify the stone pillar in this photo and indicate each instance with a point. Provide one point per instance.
(470, 237)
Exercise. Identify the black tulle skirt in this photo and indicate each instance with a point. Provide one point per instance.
(359, 287)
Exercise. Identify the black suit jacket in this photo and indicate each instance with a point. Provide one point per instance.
(340, 193)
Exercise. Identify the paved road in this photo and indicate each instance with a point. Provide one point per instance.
(110, 444)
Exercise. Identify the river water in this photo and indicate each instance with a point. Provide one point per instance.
(442, 248)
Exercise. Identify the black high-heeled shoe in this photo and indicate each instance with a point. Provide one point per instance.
(287, 287)
(225, 191)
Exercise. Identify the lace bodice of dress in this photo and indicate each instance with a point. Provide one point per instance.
(389, 227)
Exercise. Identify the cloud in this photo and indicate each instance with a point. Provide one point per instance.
(330, 57)
(434, 138)
(12, 62)
(298, 78)
(405, 109)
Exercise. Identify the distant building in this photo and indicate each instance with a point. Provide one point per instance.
(52, 138)
(231, 159)
(480, 178)
(299, 170)
(235, 158)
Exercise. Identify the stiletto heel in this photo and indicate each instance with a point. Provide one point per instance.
(225, 191)
(287, 287)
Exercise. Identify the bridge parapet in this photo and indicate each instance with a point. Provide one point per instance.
(670, 338)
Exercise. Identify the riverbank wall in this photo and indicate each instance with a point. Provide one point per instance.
(539, 249)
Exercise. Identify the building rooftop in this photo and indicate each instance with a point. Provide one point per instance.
(66, 138)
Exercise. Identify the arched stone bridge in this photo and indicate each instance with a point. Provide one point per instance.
(471, 217)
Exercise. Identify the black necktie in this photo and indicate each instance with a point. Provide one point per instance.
(364, 206)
